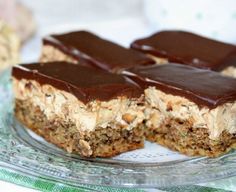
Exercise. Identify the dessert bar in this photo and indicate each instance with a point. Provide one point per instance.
(80, 109)
(190, 49)
(9, 46)
(188, 109)
(88, 49)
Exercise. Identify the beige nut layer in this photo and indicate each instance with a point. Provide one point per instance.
(50, 53)
(60, 104)
(161, 105)
(229, 71)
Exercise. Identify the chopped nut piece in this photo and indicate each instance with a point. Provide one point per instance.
(128, 117)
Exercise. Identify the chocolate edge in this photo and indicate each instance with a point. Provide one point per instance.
(145, 82)
(230, 60)
(129, 91)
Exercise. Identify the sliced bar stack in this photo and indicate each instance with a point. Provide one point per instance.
(83, 109)
(189, 49)
(80, 109)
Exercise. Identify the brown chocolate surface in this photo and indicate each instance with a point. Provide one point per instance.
(94, 51)
(188, 48)
(85, 83)
(204, 87)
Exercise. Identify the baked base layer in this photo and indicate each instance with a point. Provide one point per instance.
(181, 136)
(103, 142)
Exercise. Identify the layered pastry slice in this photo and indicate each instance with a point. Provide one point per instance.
(88, 49)
(188, 109)
(190, 49)
(80, 109)
(9, 46)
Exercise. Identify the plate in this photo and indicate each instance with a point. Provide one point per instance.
(153, 166)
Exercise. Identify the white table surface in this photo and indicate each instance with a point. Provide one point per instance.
(10, 187)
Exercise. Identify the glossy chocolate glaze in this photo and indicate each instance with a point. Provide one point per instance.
(85, 83)
(188, 48)
(94, 51)
(204, 87)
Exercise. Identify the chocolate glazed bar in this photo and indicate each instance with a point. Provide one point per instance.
(188, 109)
(80, 109)
(189, 49)
(88, 49)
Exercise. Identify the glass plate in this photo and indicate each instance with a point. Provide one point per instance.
(153, 166)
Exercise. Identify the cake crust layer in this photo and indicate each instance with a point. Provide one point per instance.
(182, 137)
(99, 143)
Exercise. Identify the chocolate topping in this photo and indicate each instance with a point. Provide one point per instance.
(94, 51)
(85, 83)
(204, 87)
(188, 48)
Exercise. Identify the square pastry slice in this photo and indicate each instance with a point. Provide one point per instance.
(189, 49)
(188, 109)
(80, 109)
(88, 49)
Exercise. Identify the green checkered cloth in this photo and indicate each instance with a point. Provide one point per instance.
(52, 186)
